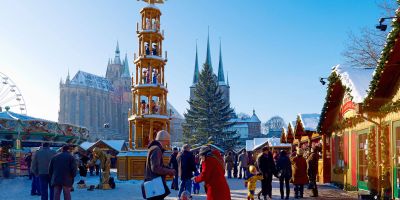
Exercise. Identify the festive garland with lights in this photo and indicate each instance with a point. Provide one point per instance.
(390, 107)
(371, 159)
(384, 142)
(348, 123)
(332, 80)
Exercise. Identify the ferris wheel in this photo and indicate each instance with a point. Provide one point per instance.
(10, 96)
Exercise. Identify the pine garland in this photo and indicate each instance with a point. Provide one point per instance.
(348, 123)
(390, 107)
(371, 159)
(332, 80)
(385, 160)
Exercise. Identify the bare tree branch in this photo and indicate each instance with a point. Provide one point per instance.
(388, 7)
(363, 50)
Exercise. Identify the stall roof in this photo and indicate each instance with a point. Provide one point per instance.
(310, 121)
(272, 142)
(117, 145)
(356, 79)
(86, 145)
(15, 116)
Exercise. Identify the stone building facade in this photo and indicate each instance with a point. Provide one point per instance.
(101, 104)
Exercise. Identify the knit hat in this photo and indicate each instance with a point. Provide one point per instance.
(204, 150)
(163, 136)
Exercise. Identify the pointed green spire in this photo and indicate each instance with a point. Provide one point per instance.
(208, 58)
(125, 73)
(196, 69)
(221, 78)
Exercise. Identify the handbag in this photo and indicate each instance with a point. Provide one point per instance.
(155, 188)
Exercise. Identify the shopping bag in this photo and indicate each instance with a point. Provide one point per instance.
(154, 188)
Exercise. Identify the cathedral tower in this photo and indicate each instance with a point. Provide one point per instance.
(222, 84)
(149, 90)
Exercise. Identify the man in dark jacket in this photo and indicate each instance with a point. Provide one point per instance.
(40, 167)
(62, 171)
(243, 163)
(284, 169)
(186, 168)
(173, 163)
(28, 161)
(154, 161)
(266, 165)
(312, 170)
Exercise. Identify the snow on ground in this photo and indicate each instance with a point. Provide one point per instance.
(19, 188)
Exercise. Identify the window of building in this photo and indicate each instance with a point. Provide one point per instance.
(362, 157)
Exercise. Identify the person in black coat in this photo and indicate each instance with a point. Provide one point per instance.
(266, 165)
(284, 171)
(173, 163)
(186, 168)
(62, 170)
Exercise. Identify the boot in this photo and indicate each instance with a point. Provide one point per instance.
(301, 193)
(296, 192)
(315, 192)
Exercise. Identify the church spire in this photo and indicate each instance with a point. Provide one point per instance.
(227, 78)
(221, 78)
(125, 72)
(67, 79)
(196, 69)
(208, 58)
(117, 59)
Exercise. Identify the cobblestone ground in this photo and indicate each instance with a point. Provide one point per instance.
(19, 188)
(238, 191)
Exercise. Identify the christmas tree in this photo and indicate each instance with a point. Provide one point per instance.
(207, 119)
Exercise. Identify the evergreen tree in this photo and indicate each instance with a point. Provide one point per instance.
(207, 119)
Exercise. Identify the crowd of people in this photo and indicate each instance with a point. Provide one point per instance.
(298, 168)
(210, 167)
(52, 173)
(188, 169)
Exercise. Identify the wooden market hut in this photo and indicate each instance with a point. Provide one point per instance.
(113, 147)
(364, 127)
(290, 135)
(381, 111)
(305, 135)
(274, 144)
(283, 135)
(343, 128)
(305, 130)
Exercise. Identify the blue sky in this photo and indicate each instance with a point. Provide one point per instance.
(274, 50)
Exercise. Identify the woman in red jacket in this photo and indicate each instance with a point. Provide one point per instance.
(213, 175)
